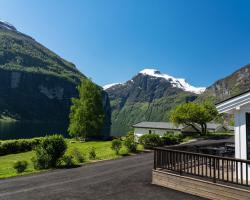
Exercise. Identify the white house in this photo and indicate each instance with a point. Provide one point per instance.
(155, 127)
(163, 127)
(239, 106)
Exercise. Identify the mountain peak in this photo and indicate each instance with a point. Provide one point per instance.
(154, 72)
(176, 82)
(7, 25)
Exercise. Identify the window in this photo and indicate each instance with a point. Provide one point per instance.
(149, 131)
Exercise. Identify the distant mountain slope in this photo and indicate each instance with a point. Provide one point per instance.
(234, 84)
(148, 96)
(21, 52)
(35, 83)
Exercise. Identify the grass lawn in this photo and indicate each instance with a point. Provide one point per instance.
(103, 152)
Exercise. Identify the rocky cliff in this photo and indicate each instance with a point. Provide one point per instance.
(35, 83)
(234, 84)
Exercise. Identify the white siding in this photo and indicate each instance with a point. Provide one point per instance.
(240, 137)
(141, 131)
(238, 106)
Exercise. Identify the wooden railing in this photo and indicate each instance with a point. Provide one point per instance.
(216, 168)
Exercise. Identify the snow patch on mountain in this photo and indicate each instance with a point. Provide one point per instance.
(176, 82)
(105, 87)
(7, 25)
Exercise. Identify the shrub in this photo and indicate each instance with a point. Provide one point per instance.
(130, 142)
(171, 139)
(48, 153)
(150, 141)
(116, 145)
(92, 153)
(68, 161)
(77, 155)
(18, 146)
(42, 159)
(20, 166)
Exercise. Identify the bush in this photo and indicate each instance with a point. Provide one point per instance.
(116, 145)
(77, 155)
(171, 139)
(130, 142)
(42, 160)
(68, 161)
(20, 166)
(150, 141)
(92, 153)
(18, 146)
(48, 153)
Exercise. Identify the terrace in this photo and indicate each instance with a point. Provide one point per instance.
(213, 177)
(225, 175)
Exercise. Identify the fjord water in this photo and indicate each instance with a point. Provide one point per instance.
(16, 130)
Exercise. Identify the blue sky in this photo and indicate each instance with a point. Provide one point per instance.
(111, 40)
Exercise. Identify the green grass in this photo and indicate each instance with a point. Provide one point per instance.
(103, 152)
(6, 164)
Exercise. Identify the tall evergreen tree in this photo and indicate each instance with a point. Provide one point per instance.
(86, 113)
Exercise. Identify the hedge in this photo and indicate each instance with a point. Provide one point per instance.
(18, 146)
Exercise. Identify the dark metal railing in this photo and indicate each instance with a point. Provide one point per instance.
(216, 168)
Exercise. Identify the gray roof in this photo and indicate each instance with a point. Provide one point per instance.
(158, 125)
(171, 126)
(213, 126)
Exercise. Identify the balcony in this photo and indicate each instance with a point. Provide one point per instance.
(210, 176)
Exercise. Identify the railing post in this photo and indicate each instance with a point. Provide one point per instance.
(154, 158)
(214, 164)
(180, 163)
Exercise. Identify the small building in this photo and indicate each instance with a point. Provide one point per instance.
(164, 127)
(239, 106)
(216, 128)
(156, 127)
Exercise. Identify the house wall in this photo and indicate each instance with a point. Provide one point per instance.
(240, 137)
(141, 131)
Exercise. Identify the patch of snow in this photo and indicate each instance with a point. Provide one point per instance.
(105, 87)
(7, 25)
(176, 82)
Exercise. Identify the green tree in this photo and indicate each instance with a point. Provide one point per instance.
(86, 113)
(193, 113)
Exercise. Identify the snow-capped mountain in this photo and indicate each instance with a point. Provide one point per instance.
(176, 82)
(148, 96)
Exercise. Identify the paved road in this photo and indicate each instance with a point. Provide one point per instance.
(125, 178)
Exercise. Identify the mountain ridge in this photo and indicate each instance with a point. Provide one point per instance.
(176, 82)
(231, 85)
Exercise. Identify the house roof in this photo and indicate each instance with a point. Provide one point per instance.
(213, 126)
(158, 125)
(234, 103)
(170, 125)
